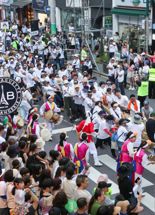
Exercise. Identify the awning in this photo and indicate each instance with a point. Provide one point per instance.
(130, 12)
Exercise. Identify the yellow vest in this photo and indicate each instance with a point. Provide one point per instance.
(143, 90)
(152, 74)
(83, 55)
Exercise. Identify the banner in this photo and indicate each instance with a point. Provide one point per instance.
(40, 5)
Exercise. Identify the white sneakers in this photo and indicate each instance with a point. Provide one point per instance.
(97, 163)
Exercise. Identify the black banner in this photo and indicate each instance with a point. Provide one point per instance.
(40, 5)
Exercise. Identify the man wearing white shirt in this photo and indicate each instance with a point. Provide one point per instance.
(88, 103)
(120, 79)
(122, 100)
(139, 127)
(68, 98)
(78, 101)
(49, 69)
(76, 62)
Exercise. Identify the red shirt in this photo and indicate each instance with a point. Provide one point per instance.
(89, 129)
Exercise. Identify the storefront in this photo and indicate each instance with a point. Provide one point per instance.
(129, 20)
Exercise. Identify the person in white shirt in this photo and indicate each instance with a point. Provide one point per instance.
(76, 62)
(122, 132)
(60, 56)
(63, 72)
(133, 105)
(88, 103)
(104, 134)
(122, 100)
(139, 127)
(49, 69)
(109, 96)
(120, 79)
(110, 68)
(96, 95)
(68, 98)
(112, 49)
(78, 102)
(82, 185)
(115, 111)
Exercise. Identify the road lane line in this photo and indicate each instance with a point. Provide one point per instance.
(94, 175)
(60, 130)
(149, 201)
(111, 163)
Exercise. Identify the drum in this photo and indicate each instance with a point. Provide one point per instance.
(20, 123)
(45, 134)
(48, 114)
(56, 118)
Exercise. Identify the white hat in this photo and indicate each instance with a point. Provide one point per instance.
(40, 143)
(65, 82)
(76, 55)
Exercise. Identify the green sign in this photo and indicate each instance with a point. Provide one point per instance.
(108, 21)
(136, 2)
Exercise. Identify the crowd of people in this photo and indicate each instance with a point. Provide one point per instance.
(34, 181)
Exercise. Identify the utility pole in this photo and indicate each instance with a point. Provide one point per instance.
(52, 4)
(147, 26)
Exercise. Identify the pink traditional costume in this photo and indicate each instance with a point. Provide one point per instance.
(81, 151)
(47, 106)
(66, 150)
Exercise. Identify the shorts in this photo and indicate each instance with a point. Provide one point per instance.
(130, 75)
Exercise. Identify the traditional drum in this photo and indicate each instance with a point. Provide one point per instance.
(48, 114)
(45, 134)
(56, 118)
(20, 123)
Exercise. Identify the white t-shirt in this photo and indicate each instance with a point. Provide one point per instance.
(139, 129)
(120, 77)
(101, 133)
(122, 132)
(123, 101)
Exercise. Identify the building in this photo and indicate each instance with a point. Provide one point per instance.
(5, 11)
(97, 15)
(129, 18)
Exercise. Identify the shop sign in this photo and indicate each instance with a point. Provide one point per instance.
(40, 5)
(108, 21)
(10, 96)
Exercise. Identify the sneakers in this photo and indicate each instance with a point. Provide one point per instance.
(97, 163)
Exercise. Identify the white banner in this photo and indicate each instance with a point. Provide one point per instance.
(73, 3)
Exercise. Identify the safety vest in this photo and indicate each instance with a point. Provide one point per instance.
(143, 90)
(152, 74)
(83, 55)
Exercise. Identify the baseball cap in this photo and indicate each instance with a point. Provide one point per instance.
(103, 184)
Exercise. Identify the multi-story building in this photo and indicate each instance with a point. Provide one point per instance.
(129, 19)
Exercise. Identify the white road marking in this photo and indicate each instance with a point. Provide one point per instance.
(94, 175)
(60, 130)
(149, 201)
(111, 163)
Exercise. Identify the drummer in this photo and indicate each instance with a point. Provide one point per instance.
(50, 107)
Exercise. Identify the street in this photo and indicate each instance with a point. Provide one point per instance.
(109, 165)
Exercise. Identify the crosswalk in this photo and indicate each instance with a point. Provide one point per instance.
(148, 201)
